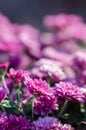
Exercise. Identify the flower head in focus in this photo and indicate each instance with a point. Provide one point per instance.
(45, 104)
(36, 86)
(68, 90)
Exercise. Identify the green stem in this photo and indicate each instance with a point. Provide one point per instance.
(5, 85)
(2, 107)
(63, 107)
(33, 108)
(19, 99)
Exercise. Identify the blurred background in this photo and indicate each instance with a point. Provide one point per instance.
(33, 11)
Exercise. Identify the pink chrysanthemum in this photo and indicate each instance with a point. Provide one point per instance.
(37, 86)
(3, 68)
(44, 104)
(68, 90)
(17, 75)
(61, 21)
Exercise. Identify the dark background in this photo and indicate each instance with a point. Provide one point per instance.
(33, 11)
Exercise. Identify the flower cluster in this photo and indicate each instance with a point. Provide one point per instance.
(43, 75)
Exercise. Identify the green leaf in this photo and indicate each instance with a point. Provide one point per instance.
(8, 104)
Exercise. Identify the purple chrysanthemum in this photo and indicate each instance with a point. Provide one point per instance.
(68, 90)
(18, 123)
(49, 123)
(13, 122)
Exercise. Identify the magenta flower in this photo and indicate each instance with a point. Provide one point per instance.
(49, 123)
(17, 75)
(37, 86)
(44, 104)
(3, 121)
(4, 67)
(68, 90)
(13, 122)
(18, 123)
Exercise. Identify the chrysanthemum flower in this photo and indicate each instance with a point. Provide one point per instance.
(3, 121)
(17, 75)
(68, 90)
(13, 122)
(49, 123)
(44, 104)
(18, 123)
(37, 86)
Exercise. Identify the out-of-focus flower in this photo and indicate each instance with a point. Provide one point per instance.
(61, 21)
(48, 68)
(17, 75)
(31, 42)
(37, 86)
(49, 123)
(68, 90)
(75, 31)
(21, 60)
(8, 40)
(79, 61)
(82, 77)
(55, 54)
(64, 44)
(47, 39)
